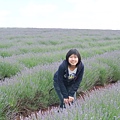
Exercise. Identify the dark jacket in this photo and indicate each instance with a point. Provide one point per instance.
(61, 77)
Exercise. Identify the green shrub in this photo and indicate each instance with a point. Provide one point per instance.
(5, 54)
(8, 70)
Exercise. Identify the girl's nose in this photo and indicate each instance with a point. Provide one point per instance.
(73, 58)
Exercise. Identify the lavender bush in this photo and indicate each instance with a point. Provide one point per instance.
(102, 104)
(7, 70)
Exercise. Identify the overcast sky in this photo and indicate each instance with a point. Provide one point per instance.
(81, 14)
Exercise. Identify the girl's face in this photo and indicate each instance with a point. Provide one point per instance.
(73, 60)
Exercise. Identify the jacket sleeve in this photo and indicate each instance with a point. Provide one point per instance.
(77, 82)
(60, 81)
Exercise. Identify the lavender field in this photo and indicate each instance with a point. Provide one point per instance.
(29, 57)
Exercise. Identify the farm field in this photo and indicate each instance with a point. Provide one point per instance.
(30, 56)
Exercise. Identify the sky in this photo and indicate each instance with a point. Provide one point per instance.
(70, 14)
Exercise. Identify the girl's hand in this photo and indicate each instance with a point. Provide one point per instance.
(66, 101)
(71, 99)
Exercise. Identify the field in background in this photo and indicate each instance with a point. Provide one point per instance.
(29, 58)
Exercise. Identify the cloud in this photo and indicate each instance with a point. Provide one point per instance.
(4, 13)
(95, 14)
(34, 9)
(85, 14)
(35, 15)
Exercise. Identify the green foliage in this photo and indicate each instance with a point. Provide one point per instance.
(103, 72)
(5, 54)
(53, 98)
(114, 66)
(89, 78)
(41, 60)
(5, 45)
(8, 70)
(24, 50)
(50, 42)
(36, 86)
(30, 93)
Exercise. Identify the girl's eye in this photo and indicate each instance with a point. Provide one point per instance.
(73, 56)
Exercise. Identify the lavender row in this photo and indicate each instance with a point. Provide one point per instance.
(100, 104)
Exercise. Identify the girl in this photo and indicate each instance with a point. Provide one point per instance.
(68, 77)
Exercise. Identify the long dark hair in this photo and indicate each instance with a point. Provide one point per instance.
(75, 52)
